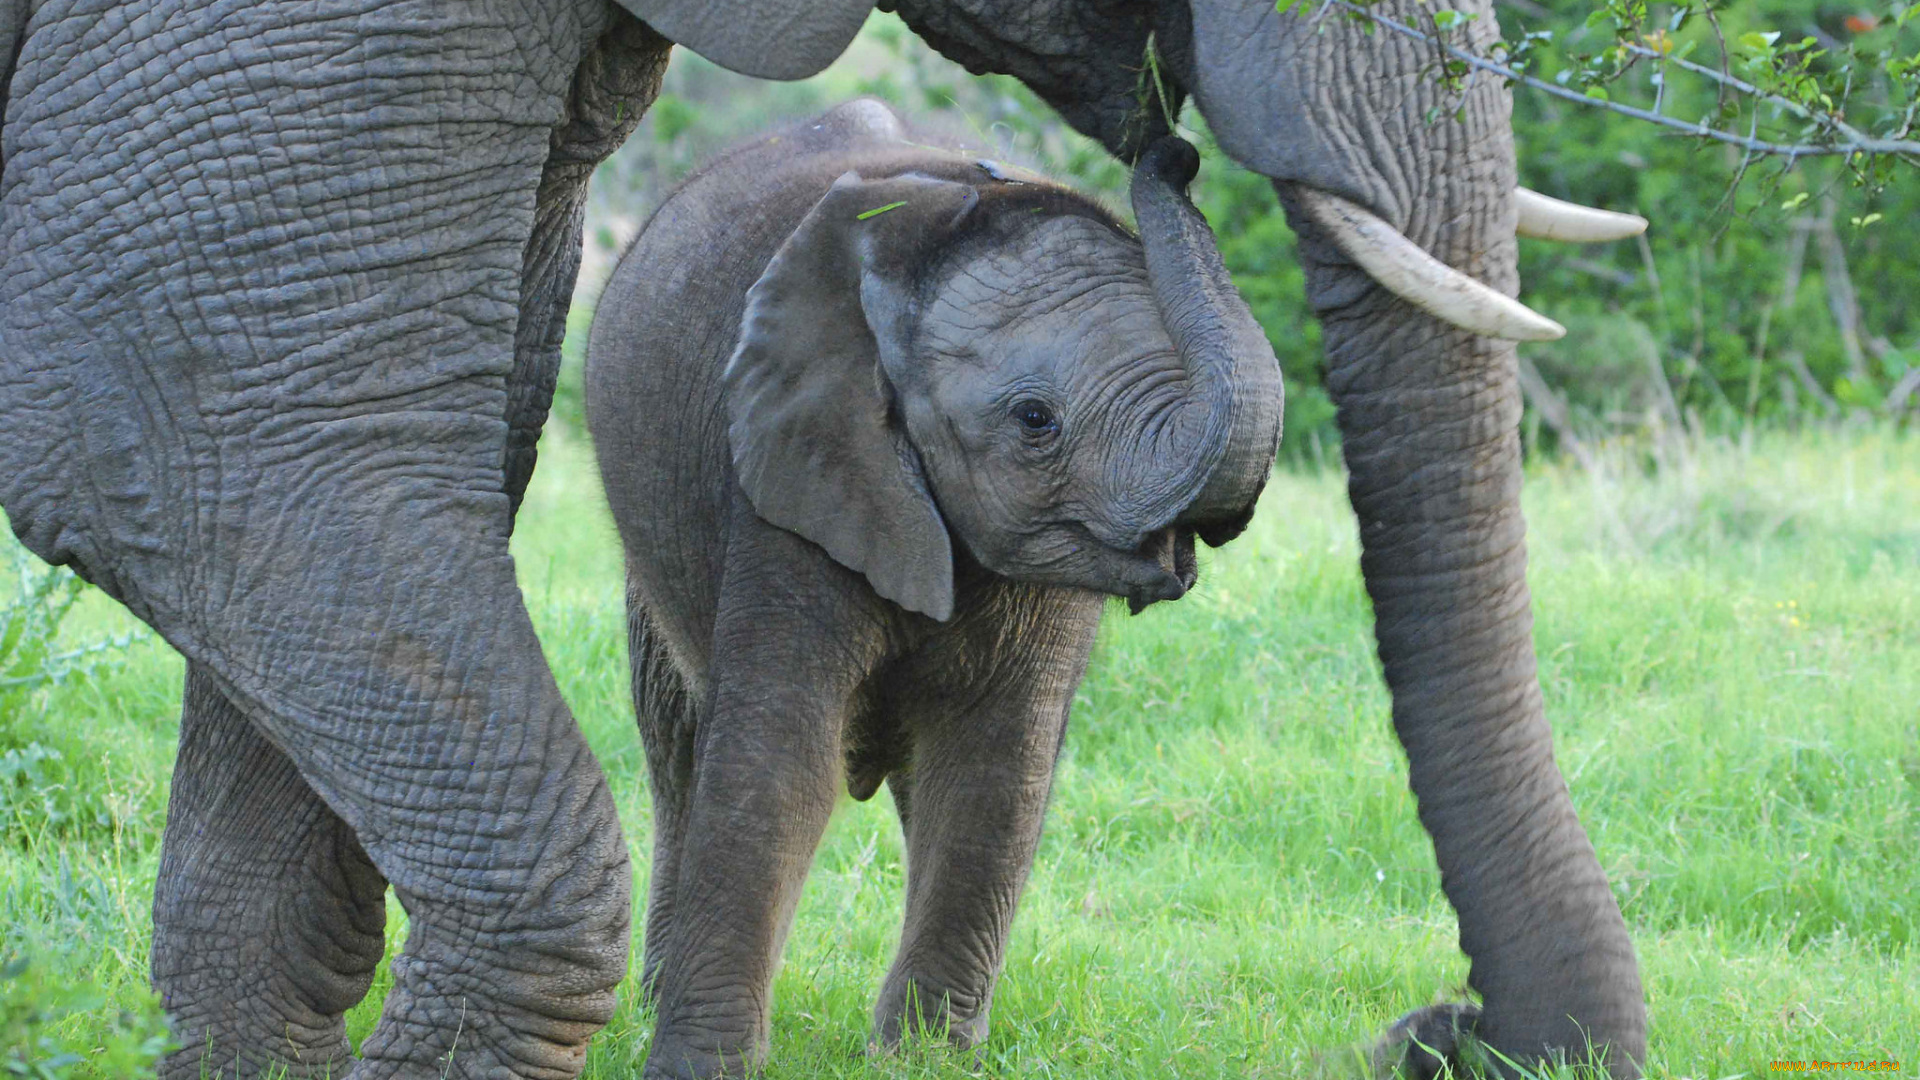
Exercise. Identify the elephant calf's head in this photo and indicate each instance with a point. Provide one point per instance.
(1001, 362)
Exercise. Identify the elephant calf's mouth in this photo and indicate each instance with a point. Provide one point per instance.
(1170, 550)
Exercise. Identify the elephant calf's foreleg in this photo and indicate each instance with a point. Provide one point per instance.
(788, 661)
(970, 844)
(978, 789)
(268, 921)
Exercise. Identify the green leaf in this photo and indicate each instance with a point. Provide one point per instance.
(1597, 93)
(878, 210)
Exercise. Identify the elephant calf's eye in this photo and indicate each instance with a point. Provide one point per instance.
(1035, 418)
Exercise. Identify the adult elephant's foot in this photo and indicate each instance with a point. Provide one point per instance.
(921, 1007)
(1425, 1043)
(701, 1057)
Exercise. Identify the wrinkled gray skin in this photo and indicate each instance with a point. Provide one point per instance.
(281, 289)
(881, 398)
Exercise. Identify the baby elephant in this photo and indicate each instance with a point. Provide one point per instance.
(880, 422)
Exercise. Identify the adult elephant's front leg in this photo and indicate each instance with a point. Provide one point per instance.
(973, 804)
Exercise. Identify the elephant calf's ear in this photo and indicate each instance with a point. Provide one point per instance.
(814, 444)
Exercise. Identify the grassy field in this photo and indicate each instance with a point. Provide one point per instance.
(1232, 882)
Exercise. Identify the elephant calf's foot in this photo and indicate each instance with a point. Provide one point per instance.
(1426, 1043)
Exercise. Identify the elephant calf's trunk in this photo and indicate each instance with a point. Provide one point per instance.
(1228, 355)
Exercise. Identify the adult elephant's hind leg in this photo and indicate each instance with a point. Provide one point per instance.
(277, 434)
(416, 703)
(268, 919)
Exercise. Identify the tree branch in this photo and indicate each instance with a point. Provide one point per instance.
(1826, 119)
(1905, 150)
(1902, 391)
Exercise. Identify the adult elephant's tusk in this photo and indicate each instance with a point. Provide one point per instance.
(1547, 218)
(1398, 265)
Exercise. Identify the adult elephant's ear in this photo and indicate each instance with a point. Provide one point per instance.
(767, 39)
(815, 442)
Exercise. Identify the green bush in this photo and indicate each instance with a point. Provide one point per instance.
(39, 788)
(1762, 292)
(31, 655)
(29, 625)
(40, 1014)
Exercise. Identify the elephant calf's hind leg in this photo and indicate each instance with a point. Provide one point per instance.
(665, 711)
(269, 918)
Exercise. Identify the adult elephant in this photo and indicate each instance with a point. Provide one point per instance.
(280, 301)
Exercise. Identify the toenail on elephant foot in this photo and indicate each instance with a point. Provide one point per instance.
(1425, 1043)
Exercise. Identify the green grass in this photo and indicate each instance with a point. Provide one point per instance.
(1232, 882)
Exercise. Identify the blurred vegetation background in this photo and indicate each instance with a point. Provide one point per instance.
(1781, 300)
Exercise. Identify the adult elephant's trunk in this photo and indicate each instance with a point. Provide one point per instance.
(1231, 363)
(1401, 186)
(1429, 414)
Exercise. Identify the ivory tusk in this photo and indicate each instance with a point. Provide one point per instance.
(1547, 218)
(1398, 265)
